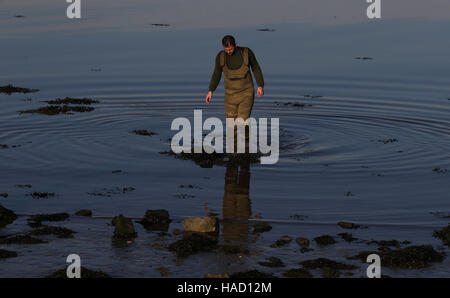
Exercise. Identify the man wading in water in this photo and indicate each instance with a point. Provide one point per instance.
(235, 62)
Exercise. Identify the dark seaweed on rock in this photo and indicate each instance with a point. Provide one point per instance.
(144, 132)
(443, 235)
(84, 273)
(49, 217)
(272, 262)
(192, 244)
(298, 273)
(251, 274)
(321, 263)
(324, 240)
(6, 216)
(70, 100)
(4, 254)
(21, 239)
(9, 89)
(411, 257)
(61, 232)
(55, 110)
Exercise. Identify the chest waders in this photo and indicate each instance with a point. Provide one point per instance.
(239, 91)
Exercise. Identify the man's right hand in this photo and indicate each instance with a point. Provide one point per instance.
(208, 97)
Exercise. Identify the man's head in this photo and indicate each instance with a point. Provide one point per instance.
(229, 44)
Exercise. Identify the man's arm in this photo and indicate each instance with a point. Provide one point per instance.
(216, 76)
(255, 68)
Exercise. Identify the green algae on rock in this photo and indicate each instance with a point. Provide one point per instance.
(84, 273)
(443, 235)
(124, 228)
(192, 244)
(6, 216)
(9, 89)
(411, 257)
(324, 240)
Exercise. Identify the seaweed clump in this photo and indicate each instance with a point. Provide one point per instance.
(6, 216)
(324, 240)
(60, 232)
(55, 110)
(193, 243)
(411, 257)
(36, 220)
(21, 239)
(443, 235)
(84, 273)
(70, 100)
(4, 254)
(9, 89)
(156, 220)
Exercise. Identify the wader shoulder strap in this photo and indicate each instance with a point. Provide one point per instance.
(245, 56)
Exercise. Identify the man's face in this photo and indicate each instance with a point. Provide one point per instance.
(229, 49)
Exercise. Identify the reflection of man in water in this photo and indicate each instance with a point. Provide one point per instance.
(235, 62)
(236, 202)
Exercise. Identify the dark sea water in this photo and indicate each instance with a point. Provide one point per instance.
(336, 160)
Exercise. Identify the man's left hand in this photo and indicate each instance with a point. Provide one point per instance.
(260, 92)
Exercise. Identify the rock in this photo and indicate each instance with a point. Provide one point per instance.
(84, 273)
(201, 224)
(38, 218)
(6, 216)
(4, 254)
(164, 271)
(282, 241)
(124, 228)
(411, 257)
(177, 232)
(304, 242)
(5, 195)
(261, 227)
(347, 225)
(324, 240)
(443, 235)
(156, 220)
(192, 244)
(347, 237)
(84, 212)
(210, 275)
(328, 272)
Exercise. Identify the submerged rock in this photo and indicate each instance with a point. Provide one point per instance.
(201, 224)
(411, 257)
(322, 263)
(272, 262)
(303, 242)
(347, 225)
(395, 243)
(4, 254)
(123, 228)
(347, 237)
(443, 235)
(282, 241)
(84, 273)
(251, 274)
(324, 240)
(6, 216)
(5, 195)
(192, 244)
(84, 212)
(298, 273)
(261, 227)
(36, 220)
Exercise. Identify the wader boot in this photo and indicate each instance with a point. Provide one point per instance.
(239, 92)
